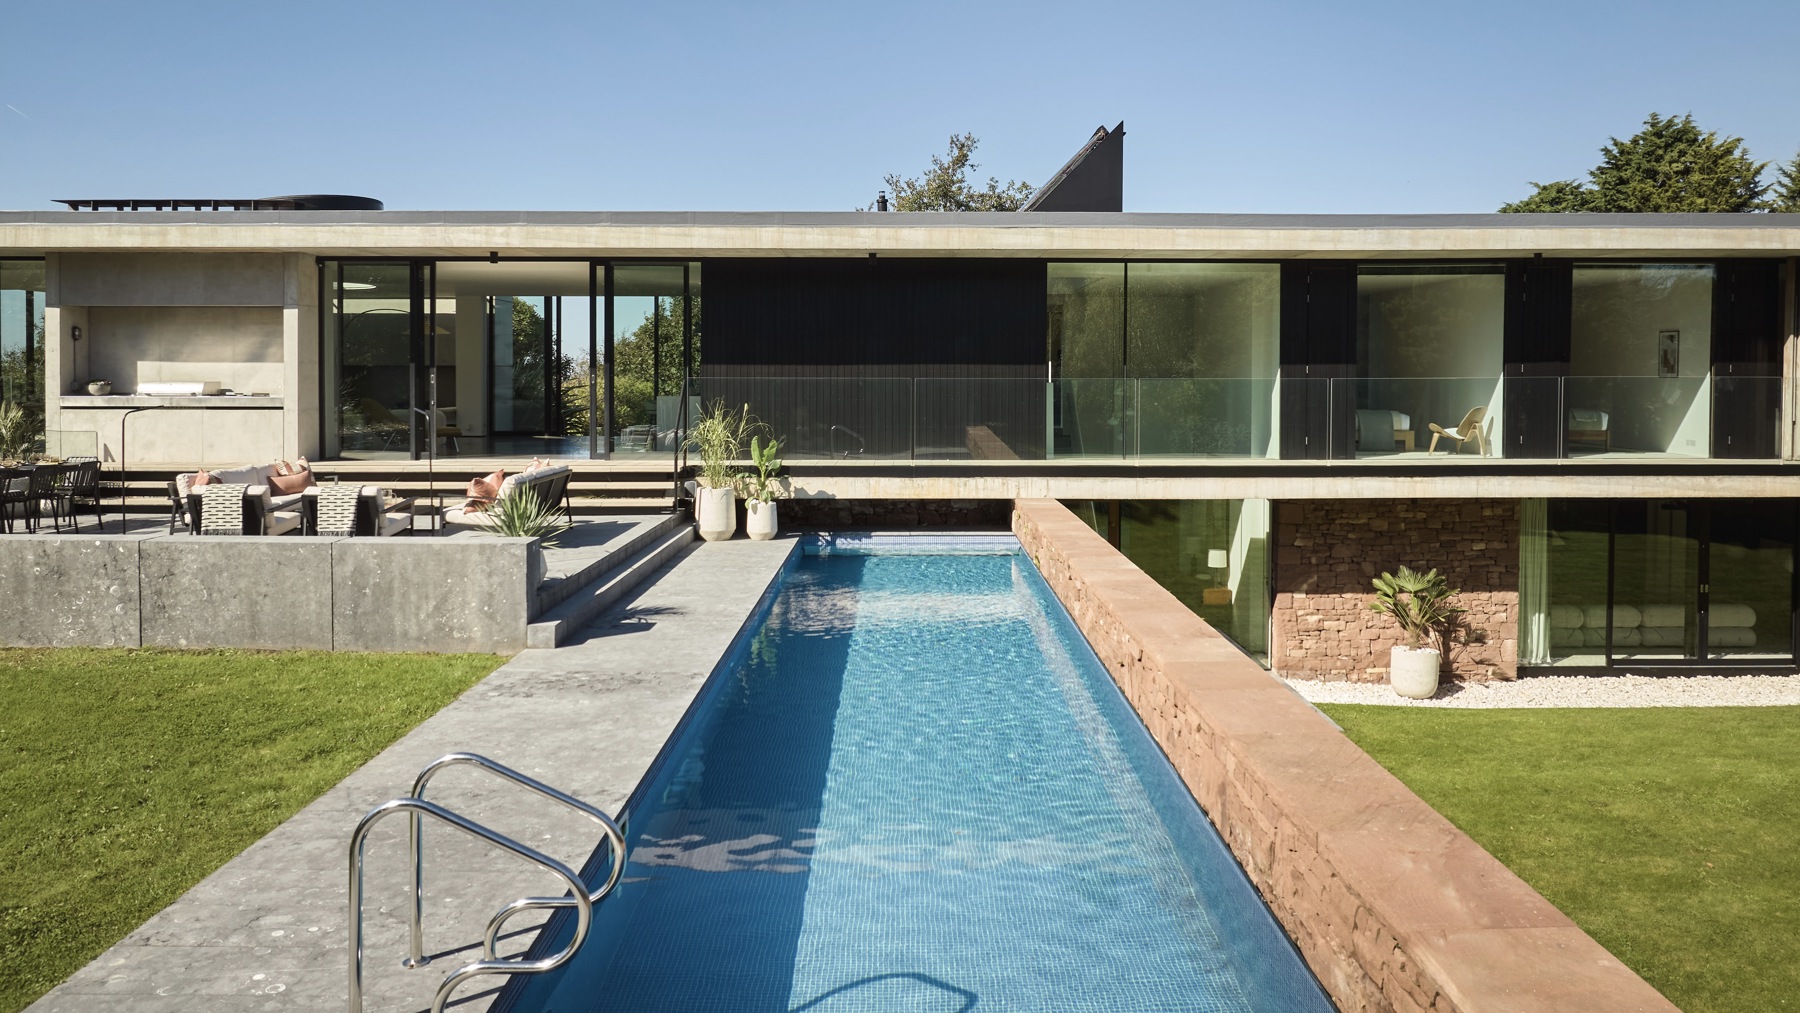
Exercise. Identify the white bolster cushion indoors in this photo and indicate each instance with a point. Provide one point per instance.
(1730, 615)
(1561, 636)
(1624, 617)
(1731, 636)
(1663, 615)
(1402, 421)
(1565, 617)
(1621, 637)
(1662, 636)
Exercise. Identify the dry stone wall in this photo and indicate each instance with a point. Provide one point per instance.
(1390, 905)
(1326, 551)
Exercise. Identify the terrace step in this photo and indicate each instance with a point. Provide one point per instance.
(580, 608)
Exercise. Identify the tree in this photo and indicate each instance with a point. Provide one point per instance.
(946, 187)
(1668, 166)
(1785, 194)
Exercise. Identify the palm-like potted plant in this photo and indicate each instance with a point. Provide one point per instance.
(719, 438)
(761, 488)
(1420, 604)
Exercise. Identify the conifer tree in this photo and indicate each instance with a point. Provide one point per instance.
(1785, 194)
(1668, 166)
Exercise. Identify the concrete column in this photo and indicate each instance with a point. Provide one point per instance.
(300, 372)
(471, 365)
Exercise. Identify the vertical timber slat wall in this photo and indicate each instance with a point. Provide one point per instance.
(880, 357)
(1747, 358)
(1538, 334)
(1318, 345)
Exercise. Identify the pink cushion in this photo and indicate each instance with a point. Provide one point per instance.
(287, 485)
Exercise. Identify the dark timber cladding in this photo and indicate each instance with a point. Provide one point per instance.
(1318, 345)
(1746, 354)
(836, 353)
(1538, 331)
(1094, 180)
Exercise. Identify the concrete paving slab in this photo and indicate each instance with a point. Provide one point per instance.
(267, 931)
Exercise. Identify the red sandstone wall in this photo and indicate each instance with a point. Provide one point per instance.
(1326, 551)
(1391, 906)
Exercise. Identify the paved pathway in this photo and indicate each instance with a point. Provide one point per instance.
(267, 931)
(1622, 690)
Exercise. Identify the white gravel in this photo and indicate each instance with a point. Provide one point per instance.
(1576, 691)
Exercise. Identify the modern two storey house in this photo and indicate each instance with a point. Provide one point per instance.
(1588, 421)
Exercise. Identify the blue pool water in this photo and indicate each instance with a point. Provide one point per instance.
(913, 787)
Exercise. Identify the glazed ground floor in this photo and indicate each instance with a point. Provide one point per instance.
(1546, 583)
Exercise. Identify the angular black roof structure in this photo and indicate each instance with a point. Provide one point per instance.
(1094, 180)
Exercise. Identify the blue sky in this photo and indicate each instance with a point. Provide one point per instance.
(1301, 107)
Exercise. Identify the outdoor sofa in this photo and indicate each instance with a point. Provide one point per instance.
(549, 484)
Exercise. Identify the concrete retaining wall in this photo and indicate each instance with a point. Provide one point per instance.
(347, 594)
(1391, 905)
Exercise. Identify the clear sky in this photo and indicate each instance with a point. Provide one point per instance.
(1291, 107)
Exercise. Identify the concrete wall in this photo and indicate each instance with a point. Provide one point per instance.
(346, 594)
(237, 346)
(250, 322)
(1326, 551)
(1390, 905)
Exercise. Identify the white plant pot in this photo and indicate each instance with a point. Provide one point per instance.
(718, 513)
(1413, 671)
(759, 519)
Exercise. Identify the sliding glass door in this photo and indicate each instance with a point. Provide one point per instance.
(1666, 582)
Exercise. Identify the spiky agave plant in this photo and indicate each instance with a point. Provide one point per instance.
(520, 514)
(16, 437)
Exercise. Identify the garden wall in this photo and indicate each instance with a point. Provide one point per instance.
(1391, 906)
(1327, 550)
(442, 595)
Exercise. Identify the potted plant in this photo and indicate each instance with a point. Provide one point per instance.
(761, 489)
(1420, 603)
(522, 514)
(719, 437)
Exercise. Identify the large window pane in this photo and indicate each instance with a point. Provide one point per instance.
(1203, 341)
(22, 337)
(1576, 558)
(374, 360)
(1656, 581)
(1750, 612)
(1640, 360)
(1086, 348)
(1211, 554)
(1429, 352)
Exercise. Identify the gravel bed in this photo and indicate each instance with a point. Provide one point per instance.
(1576, 691)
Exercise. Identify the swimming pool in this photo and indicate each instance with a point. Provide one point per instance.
(912, 786)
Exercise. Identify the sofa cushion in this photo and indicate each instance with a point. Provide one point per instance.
(486, 487)
(290, 484)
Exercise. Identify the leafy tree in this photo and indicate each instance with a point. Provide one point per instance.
(1785, 194)
(1668, 166)
(946, 186)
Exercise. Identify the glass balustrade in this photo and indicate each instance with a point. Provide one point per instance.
(1346, 418)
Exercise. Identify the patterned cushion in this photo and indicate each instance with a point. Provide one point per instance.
(222, 508)
(337, 509)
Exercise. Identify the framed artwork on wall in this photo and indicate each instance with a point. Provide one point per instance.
(1668, 353)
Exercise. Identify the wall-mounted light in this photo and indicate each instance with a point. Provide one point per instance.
(74, 334)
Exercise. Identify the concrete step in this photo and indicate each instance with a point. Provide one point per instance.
(559, 623)
(572, 568)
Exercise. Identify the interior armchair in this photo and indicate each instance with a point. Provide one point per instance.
(1469, 430)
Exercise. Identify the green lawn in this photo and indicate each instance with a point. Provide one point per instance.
(1671, 835)
(128, 776)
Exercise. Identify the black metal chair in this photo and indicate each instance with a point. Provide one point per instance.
(177, 510)
(15, 492)
(51, 486)
(84, 487)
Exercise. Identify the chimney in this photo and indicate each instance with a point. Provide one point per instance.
(881, 200)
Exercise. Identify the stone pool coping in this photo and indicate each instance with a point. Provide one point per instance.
(1390, 905)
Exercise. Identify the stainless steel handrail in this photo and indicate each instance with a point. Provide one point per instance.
(614, 837)
(416, 808)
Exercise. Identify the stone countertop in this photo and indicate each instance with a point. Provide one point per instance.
(123, 401)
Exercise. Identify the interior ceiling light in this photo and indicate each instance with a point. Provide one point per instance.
(355, 286)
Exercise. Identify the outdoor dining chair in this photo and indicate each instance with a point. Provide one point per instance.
(15, 493)
(51, 486)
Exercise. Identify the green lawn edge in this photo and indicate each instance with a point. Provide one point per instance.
(127, 776)
(1665, 833)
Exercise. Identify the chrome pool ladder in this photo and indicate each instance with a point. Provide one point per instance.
(579, 897)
